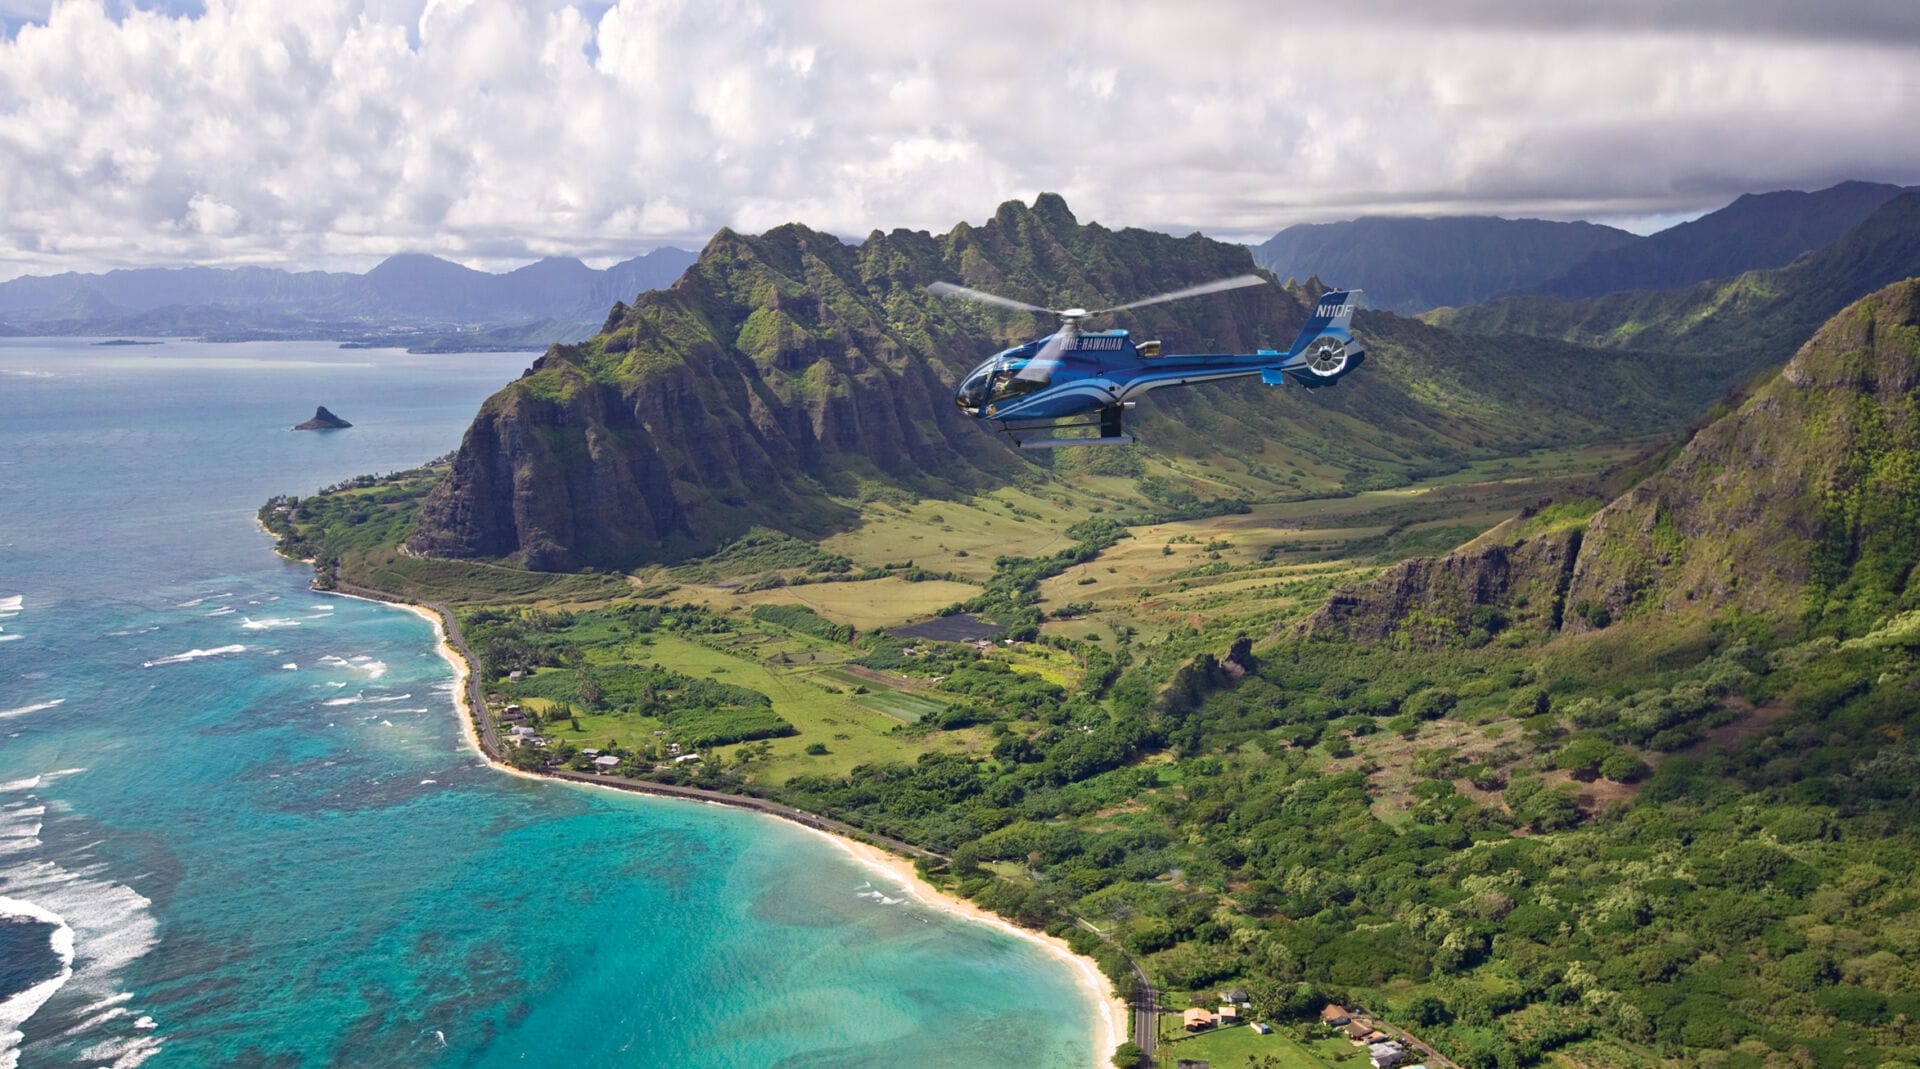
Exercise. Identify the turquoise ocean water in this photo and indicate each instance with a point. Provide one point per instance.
(238, 825)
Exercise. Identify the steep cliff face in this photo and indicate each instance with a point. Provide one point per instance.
(786, 370)
(1806, 499)
(1803, 506)
(1490, 586)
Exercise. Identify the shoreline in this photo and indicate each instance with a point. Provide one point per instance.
(1109, 1024)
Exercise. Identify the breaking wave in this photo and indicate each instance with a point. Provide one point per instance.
(8, 714)
(192, 655)
(99, 927)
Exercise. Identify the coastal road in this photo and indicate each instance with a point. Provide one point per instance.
(1145, 1002)
(1146, 1012)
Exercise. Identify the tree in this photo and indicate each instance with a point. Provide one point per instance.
(1427, 1011)
(1583, 757)
(1623, 767)
(1128, 1055)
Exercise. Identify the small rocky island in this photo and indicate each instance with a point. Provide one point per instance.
(323, 420)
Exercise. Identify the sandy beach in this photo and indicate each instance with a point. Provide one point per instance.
(1110, 1023)
(1111, 1017)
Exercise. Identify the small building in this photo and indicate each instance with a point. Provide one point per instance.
(1387, 1054)
(1265, 1029)
(591, 752)
(516, 674)
(673, 747)
(606, 761)
(1196, 1019)
(521, 731)
(1235, 995)
(1357, 1031)
(1228, 1014)
(685, 757)
(1335, 1015)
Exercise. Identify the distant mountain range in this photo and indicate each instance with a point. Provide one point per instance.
(1414, 265)
(410, 296)
(1756, 231)
(1747, 322)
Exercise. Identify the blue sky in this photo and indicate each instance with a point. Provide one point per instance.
(331, 133)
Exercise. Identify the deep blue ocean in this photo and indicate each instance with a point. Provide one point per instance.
(238, 825)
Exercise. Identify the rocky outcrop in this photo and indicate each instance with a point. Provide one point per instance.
(1802, 505)
(1813, 483)
(1428, 601)
(322, 420)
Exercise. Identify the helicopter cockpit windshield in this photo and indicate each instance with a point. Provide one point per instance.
(994, 383)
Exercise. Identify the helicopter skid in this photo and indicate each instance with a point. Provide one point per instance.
(1055, 443)
(1106, 422)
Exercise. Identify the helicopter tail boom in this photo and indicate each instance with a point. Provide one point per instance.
(1332, 312)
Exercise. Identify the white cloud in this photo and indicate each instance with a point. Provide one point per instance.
(332, 132)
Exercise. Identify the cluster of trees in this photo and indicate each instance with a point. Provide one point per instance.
(1749, 910)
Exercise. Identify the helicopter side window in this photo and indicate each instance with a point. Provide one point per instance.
(1006, 387)
(973, 392)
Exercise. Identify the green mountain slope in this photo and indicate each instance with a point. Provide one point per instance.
(788, 374)
(1801, 507)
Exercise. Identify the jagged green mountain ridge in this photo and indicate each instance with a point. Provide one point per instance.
(1800, 507)
(1412, 265)
(1752, 321)
(789, 372)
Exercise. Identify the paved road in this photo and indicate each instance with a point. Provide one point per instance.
(495, 748)
(1146, 1001)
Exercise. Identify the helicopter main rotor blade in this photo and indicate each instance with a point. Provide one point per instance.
(1234, 283)
(1040, 368)
(948, 289)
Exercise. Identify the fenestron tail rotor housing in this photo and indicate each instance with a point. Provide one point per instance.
(1327, 357)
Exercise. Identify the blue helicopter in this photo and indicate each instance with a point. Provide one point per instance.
(1033, 391)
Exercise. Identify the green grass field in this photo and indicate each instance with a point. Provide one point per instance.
(1240, 1047)
(865, 605)
(856, 729)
